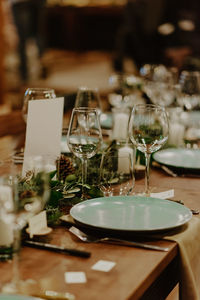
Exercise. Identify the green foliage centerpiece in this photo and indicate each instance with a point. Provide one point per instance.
(65, 185)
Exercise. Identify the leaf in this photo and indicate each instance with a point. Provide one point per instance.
(52, 174)
(55, 196)
(54, 183)
(114, 180)
(87, 186)
(95, 192)
(71, 177)
(67, 196)
(75, 190)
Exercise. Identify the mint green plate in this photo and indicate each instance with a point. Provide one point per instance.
(17, 297)
(179, 158)
(130, 213)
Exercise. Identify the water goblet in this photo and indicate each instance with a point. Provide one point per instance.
(161, 93)
(84, 137)
(36, 94)
(148, 131)
(189, 94)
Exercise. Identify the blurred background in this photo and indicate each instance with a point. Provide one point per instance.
(63, 44)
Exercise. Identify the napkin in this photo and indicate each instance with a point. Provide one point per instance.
(189, 247)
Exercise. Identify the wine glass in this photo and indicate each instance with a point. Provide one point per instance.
(88, 97)
(116, 173)
(125, 90)
(148, 131)
(189, 96)
(36, 94)
(21, 198)
(161, 93)
(84, 137)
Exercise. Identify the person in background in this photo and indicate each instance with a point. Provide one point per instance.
(28, 17)
(159, 31)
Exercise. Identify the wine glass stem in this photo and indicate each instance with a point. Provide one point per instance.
(16, 249)
(84, 177)
(147, 160)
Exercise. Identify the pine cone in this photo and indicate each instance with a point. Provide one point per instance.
(64, 167)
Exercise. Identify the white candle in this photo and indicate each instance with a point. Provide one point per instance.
(120, 127)
(125, 159)
(176, 134)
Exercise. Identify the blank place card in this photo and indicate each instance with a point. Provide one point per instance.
(103, 265)
(44, 129)
(163, 195)
(75, 277)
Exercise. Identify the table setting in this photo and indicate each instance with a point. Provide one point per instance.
(92, 196)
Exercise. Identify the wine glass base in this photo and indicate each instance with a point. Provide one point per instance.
(10, 288)
(18, 287)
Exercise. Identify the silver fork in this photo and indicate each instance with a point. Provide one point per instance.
(91, 239)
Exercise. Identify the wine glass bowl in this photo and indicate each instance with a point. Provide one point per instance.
(36, 94)
(88, 97)
(148, 131)
(189, 94)
(161, 93)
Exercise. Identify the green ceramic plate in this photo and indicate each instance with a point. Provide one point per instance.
(17, 297)
(179, 158)
(130, 213)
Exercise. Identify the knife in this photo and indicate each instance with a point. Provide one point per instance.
(56, 248)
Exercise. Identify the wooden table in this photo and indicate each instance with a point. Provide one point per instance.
(138, 274)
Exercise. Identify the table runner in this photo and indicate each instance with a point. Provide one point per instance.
(188, 240)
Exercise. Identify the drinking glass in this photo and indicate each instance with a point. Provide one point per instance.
(116, 173)
(124, 90)
(189, 95)
(148, 131)
(88, 97)
(36, 94)
(161, 93)
(20, 199)
(84, 137)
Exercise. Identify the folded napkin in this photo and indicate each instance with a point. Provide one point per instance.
(188, 240)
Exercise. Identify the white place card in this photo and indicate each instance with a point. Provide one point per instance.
(163, 195)
(75, 277)
(103, 265)
(44, 129)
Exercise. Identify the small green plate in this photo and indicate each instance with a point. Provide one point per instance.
(179, 158)
(130, 213)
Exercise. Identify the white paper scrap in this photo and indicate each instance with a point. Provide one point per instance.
(163, 195)
(75, 277)
(103, 265)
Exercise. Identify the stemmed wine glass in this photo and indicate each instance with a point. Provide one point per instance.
(84, 137)
(189, 96)
(36, 94)
(21, 198)
(148, 131)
